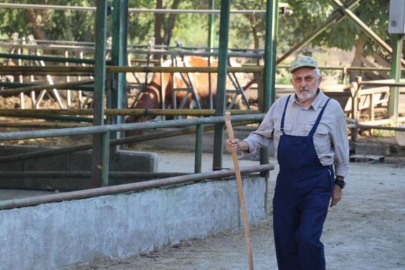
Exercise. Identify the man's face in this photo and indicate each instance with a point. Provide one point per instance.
(305, 83)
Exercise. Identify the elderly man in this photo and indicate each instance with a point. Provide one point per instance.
(310, 138)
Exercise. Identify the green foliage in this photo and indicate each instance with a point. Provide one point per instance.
(140, 25)
(245, 30)
(56, 25)
(248, 27)
(310, 14)
(307, 16)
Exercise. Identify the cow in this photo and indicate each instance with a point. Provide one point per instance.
(150, 97)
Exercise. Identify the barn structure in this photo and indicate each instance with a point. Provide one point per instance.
(110, 202)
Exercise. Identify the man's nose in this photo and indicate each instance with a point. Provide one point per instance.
(303, 84)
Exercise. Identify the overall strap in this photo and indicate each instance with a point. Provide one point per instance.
(282, 118)
(318, 120)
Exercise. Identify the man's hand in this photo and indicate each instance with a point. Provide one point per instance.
(235, 145)
(336, 196)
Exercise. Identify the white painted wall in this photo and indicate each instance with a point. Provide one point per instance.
(59, 235)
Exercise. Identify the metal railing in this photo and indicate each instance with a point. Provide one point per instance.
(103, 191)
(199, 123)
(10, 136)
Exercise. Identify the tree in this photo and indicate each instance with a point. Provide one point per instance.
(309, 14)
(50, 24)
(69, 25)
(165, 22)
(250, 24)
(345, 35)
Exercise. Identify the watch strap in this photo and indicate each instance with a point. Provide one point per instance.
(340, 183)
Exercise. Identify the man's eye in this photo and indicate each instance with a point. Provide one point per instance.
(309, 79)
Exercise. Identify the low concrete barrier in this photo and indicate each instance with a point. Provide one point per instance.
(61, 235)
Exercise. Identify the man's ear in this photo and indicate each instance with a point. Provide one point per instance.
(319, 79)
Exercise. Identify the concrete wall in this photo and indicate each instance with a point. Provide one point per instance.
(60, 235)
(81, 161)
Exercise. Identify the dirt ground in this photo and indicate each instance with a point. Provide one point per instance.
(365, 231)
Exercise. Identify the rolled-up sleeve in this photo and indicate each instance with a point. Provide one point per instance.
(263, 136)
(341, 144)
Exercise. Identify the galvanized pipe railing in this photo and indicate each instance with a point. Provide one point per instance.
(204, 54)
(47, 58)
(89, 193)
(14, 85)
(40, 125)
(256, 54)
(110, 112)
(21, 135)
(75, 43)
(346, 68)
(15, 91)
(51, 117)
(63, 70)
(105, 129)
(121, 141)
(139, 176)
(117, 69)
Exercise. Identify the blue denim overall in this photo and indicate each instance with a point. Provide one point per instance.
(303, 190)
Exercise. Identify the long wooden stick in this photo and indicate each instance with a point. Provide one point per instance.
(240, 191)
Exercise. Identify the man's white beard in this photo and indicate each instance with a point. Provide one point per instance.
(305, 96)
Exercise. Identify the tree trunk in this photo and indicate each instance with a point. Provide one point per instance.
(170, 24)
(158, 23)
(35, 21)
(253, 24)
(359, 53)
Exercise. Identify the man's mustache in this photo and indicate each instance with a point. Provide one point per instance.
(304, 89)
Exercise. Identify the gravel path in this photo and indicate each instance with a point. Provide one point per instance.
(365, 231)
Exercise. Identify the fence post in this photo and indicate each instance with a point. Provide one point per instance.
(119, 58)
(269, 95)
(100, 159)
(344, 74)
(198, 148)
(371, 107)
(397, 41)
(355, 107)
(221, 82)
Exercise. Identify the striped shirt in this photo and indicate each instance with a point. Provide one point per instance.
(330, 139)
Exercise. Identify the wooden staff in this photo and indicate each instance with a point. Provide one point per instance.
(240, 191)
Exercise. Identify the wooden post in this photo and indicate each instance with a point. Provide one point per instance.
(355, 108)
(371, 107)
(344, 74)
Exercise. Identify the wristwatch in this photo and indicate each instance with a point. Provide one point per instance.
(340, 183)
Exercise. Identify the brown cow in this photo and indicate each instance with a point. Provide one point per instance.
(150, 97)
